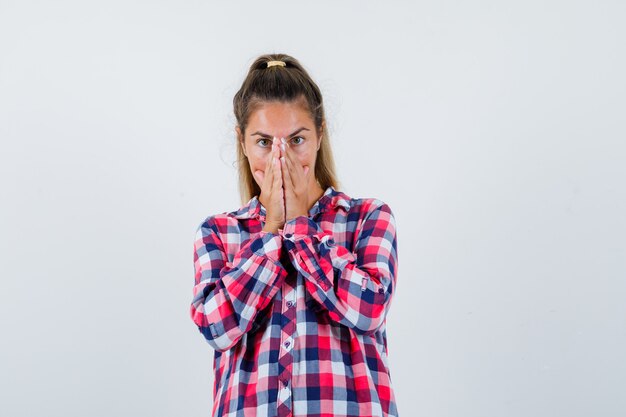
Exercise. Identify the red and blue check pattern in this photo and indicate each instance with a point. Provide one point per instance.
(297, 318)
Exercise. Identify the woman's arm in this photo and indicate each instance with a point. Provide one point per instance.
(354, 287)
(228, 296)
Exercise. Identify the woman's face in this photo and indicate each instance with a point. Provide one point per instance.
(280, 120)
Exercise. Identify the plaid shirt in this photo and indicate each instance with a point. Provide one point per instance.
(297, 318)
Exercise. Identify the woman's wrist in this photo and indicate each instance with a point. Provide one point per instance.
(271, 227)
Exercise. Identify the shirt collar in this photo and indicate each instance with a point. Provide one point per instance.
(331, 199)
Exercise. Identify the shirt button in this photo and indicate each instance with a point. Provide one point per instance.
(287, 344)
(289, 304)
(285, 382)
(288, 235)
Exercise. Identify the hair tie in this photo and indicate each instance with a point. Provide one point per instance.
(272, 63)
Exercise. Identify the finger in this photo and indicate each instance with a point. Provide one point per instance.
(276, 163)
(294, 166)
(287, 151)
(287, 180)
(262, 175)
(297, 177)
(259, 175)
(286, 155)
(277, 174)
(288, 187)
(278, 178)
(269, 172)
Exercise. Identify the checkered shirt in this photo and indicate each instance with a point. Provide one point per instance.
(297, 318)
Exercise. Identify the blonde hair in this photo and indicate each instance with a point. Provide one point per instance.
(288, 83)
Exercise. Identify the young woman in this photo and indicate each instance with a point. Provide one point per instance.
(292, 289)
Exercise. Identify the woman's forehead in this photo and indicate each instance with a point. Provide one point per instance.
(279, 116)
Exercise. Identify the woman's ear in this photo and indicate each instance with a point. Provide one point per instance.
(240, 138)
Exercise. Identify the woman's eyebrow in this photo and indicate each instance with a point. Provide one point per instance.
(269, 136)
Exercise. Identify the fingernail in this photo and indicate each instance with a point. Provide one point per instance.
(282, 158)
(282, 145)
(283, 140)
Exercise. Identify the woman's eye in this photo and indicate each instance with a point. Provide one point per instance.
(298, 137)
(264, 141)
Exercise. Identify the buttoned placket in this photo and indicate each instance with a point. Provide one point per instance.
(287, 342)
(288, 309)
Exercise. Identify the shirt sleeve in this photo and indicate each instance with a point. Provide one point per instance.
(354, 287)
(227, 297)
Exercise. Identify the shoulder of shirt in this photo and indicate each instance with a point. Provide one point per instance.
(369, 204)
(214, 221)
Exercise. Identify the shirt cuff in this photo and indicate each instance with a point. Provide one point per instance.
(303, 227)
(298, 227)
(267, 244)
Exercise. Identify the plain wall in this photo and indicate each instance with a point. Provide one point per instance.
(494, 130)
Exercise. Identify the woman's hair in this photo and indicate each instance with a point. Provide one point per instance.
(292, 84)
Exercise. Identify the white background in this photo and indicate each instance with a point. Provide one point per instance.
(493, 129)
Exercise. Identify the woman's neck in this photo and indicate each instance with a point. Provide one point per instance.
(315, 194)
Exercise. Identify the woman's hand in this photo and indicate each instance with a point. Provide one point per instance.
(272, 196)
(296, 183)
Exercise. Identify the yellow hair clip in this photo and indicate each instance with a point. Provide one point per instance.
(272, 63)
